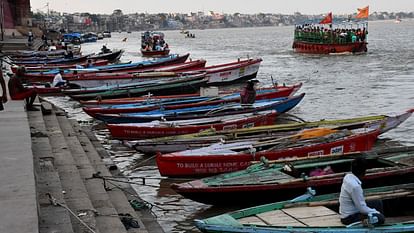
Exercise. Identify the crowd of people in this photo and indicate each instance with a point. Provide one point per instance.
(319, 34)
(153, 42)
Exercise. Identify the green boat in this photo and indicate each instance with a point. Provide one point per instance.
(190, 84)
(208, 137)
(317, 214)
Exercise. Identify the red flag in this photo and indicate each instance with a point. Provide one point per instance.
(327, 19)
(363, 13)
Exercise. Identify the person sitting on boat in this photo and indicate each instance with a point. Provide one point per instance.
(248, 94)
(352, 205)
(18, 92)
(58, 80)
(89, 63)
(68, 54)
(104, 49)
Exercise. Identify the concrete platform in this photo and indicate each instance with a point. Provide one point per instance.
(18, 201)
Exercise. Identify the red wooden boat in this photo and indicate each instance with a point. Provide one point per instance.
(283, 180)
(155, 53)
(170, 128)
(261, 95)
(219, 159)
(331, 48)
(283, 91)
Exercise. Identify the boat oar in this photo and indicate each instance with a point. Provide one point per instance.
(305, 158)
(305, 134)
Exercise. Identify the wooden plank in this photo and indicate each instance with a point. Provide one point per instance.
(253, 220)
(323, 221)
(309, 212)
(279, 218)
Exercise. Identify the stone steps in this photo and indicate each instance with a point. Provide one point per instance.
(51, 218)
(65, 163)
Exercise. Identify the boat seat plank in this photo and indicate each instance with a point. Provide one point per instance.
(309, 212)
(274, 177)
(323, 221)
(252, 220)
(279, 218)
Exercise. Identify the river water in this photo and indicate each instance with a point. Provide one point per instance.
(336, 86)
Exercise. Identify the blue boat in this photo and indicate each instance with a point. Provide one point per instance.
(280, 105)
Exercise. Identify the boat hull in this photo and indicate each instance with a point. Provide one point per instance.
(177, 165)
(120, 131)
(155, 53)
(115, 110)
(280, 107)
(315, 48)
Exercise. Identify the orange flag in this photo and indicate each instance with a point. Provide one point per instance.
(327, 19)
(363, 13)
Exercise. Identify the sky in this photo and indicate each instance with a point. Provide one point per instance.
(223, 6)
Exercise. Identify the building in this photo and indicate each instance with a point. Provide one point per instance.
(15, 13)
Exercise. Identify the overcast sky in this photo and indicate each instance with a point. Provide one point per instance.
(223, 6)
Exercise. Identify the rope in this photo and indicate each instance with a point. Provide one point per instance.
(54, 202)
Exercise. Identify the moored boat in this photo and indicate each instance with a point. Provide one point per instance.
(168, 128)
(280, 105)
(191, 84)
(221, 158)
(183, 102)
(285, 179)
(206, 138)
(283, 90)
(317, 214)
(130, 67)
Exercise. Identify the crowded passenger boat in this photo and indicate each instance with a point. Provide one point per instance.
(153, 44)
(326, 37)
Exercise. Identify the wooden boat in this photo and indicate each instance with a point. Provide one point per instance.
(233, 72)
(281, 105)
(182, 85)
(153, 44)
(317, 214)
(217, 75)
(284, 179)
(167, 128)
(45, 68)
(31, 53)
(111, 56)
(132, 67)
(182, 102)
(100, 79)
(221, 158)
(315, 39)
(109, 79)
(155, 53)
(53, 61)
(206, 138)
(283, 91)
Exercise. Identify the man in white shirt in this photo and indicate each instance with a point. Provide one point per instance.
(352, 205)
(58, 80)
